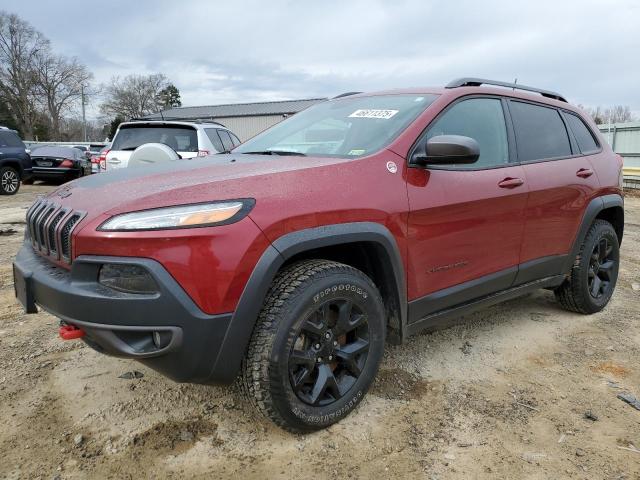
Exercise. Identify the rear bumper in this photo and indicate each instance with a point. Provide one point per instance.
(123, 324)
(53, 172)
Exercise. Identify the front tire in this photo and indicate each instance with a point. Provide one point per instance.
(316, 346)
(9, 181)
(594, 274)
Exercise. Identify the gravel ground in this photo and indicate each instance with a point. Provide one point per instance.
(521, 390)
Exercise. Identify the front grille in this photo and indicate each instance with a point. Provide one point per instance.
(49, 227)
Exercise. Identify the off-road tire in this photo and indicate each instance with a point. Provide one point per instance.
(297, 292)
(10, 181)
(574, 294)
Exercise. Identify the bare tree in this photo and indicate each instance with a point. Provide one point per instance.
(614, 114)
(134, 96)
(60, 82)
(20, 44)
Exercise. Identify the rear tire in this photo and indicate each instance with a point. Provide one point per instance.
(594, 274)
(316, 346)
(9, 181)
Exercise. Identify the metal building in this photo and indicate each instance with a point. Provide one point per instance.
(243, 119)
(624, 139)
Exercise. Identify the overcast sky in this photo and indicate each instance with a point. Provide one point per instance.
(240, 51)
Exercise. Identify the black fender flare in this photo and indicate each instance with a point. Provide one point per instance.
(234, 346)
(12, 162)
(594, 207)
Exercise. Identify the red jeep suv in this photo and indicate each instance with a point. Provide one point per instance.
(291, 261)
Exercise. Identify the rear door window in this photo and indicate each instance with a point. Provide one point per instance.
(226, 140)
(584, 137)
(215, 139)
(10, 139)
(540, 132)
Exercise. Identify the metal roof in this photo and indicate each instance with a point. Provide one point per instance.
(283, 107)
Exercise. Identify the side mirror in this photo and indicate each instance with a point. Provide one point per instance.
(447, 150)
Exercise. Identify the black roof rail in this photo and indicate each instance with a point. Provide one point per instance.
(476, 82)
(346, 94)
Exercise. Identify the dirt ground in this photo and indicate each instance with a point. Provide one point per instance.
(522, 390)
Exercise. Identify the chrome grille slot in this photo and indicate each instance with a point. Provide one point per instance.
(32, 221)
(51, 237)
(65, 236)
(47, 212)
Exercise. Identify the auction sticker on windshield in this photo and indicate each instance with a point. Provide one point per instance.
(369, 113)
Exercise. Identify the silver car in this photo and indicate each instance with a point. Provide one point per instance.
(188, 139)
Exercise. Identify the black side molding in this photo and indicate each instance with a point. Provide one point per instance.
(244, 318)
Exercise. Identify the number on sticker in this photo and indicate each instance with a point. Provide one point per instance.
(370, 113)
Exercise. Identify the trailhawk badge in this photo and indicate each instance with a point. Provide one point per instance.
(392, 167)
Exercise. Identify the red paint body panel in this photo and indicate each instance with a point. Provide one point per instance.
(462, 226)
(437, 217)
(557, 201)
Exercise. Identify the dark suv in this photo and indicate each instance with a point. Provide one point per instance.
(15, 162)
(362, 220)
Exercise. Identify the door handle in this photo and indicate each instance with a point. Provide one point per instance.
(113, 160)
(510, 182)
(584, 173)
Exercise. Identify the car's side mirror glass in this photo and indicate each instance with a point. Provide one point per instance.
(446, 150)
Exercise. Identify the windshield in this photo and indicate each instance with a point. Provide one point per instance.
(183, 139)
(345, 127)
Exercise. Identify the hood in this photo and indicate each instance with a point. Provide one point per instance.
(217, 177)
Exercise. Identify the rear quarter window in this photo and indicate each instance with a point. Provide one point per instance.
(586, 142)
(226, 140)
(540, 132)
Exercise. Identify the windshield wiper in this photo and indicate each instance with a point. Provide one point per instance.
(276, 152)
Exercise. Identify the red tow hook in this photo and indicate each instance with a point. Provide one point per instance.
(70, 332)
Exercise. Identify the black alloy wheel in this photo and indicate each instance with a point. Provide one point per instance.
(329, 353)
(601, 267)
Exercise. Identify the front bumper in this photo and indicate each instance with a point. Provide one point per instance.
(122, 324)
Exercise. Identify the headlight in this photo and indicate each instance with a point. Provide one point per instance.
(182, 216)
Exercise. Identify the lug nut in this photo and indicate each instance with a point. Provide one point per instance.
(330, 357)
(319, 359)
(335, 343)
(327, 335)
(317, 346)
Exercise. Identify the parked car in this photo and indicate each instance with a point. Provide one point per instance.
(98, 158)
(15, 162)
(188, 139)
(59, 162)
(84, 149)
(293, 260)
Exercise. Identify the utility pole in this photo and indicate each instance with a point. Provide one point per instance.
(84, 120)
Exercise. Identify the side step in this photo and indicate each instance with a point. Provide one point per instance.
(450, 316)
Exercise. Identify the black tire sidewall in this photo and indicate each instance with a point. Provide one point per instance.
(2, 172)
(601, 231)
(293, 410)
